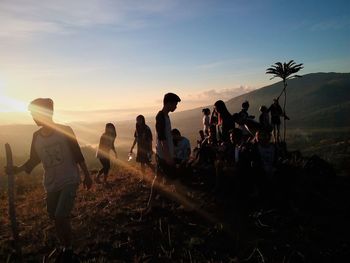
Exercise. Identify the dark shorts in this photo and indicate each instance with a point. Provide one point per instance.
(275, 120)
(60, 204)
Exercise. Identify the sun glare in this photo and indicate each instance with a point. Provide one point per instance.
(8, 104)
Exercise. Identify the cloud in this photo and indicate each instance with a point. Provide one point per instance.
(334, 24)
(221, 94)
(24, 18)
(224, 63)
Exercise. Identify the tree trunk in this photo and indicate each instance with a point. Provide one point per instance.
(284, 111)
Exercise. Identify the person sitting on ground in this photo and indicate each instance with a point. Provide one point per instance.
(227, 122)
(182, 147)
(264, 118)
(263, 160)
(56, 147)
(206, 120)
(228, 157)
(205, 155)
(276, 114)
(103, 152)
(143, 138)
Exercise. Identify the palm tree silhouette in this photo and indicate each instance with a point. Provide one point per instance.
(284, 71)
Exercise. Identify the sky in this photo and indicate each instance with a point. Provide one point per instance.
(100, 59)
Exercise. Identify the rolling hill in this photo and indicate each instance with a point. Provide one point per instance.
(317, 100)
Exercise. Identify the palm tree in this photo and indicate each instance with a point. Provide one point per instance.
(284, 71)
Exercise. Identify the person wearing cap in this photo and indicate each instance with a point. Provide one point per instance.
(56, 147)
(164, 145)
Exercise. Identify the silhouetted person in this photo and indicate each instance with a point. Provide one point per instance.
(214, 122)
(276, 114)
(201, 138)
(103, 152)
(226, 120)
(165, 145)
(243, 119)
(206, 120)
(182, 147)
(264, 118)
(227, 158)
(143, 138)
(56, 147)
(263, 162)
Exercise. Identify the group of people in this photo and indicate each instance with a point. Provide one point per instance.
(227, 143)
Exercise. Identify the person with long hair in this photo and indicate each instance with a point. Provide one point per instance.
(105, 146)
(143, 139)
(227, 123)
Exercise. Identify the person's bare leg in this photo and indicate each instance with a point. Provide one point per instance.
(143, 170)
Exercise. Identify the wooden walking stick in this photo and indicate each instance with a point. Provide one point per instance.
(11, 199)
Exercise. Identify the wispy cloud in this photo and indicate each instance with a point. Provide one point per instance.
(23, 18)
(223, 63)
(333, 24)
(216, 94)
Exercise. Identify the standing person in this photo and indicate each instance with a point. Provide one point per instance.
(276, 113)
(264, 118)
(143, 138)
(244, 117)
(214, 122)
(56, 147)
(165, 145)
(206, 120)
(226, 120)
(105, 146)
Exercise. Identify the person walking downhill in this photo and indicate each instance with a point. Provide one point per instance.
(103, 152)
(143, 139)
(56, 147)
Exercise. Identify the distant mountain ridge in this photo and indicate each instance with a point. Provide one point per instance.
(317, 100)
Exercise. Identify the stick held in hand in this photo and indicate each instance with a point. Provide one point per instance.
(11, 199)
